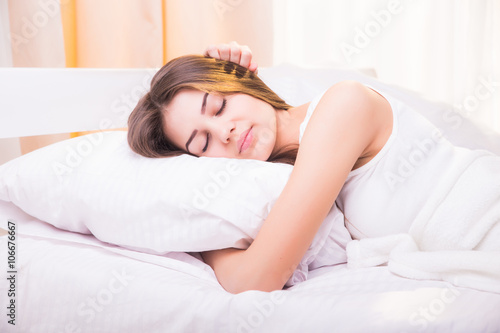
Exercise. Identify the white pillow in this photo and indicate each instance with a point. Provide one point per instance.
(96, 184)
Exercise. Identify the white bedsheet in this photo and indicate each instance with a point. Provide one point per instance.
(67, 282)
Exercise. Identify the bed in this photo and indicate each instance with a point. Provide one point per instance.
(76, 281)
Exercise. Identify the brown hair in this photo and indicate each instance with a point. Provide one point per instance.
(145, 124)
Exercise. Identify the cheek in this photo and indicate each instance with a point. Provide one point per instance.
(220, 151)
(266, 115)
(264, 144)
(267, 133)
(266, 137)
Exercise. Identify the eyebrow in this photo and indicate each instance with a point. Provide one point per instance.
(203, 107)
(204, 104)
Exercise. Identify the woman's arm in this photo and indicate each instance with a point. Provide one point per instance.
(345, 128)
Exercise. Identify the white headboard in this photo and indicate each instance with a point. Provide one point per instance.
(37, 101)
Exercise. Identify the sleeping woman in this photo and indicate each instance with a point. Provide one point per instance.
(352, 146)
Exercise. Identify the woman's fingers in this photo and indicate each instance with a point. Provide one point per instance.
(224, 52)
(253, 67)
(212, 51)
(235, 53)
(239, 54)
(245, 56)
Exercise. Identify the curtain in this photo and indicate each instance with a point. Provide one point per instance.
(113, 34)
(447, 50)
(83, 33)
(191, 25)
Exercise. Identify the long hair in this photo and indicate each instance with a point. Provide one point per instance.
(145, 124)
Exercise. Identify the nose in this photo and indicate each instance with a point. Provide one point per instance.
(222, 129)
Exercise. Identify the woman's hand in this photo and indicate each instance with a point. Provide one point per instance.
(233, 52)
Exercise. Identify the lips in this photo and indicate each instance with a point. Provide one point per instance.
(245, 140)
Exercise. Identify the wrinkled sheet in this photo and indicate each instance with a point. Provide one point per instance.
(68, 282)
(456, 236)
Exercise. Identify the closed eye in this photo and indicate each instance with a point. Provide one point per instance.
(206, 144)
(223, 106)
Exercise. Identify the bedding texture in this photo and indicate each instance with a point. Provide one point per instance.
(75, 283)
(96, 184)
(455, 238)
(78, 284)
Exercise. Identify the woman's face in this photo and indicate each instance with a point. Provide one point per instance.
(232, 126)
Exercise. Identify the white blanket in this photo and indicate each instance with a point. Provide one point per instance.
(455, 238)
(69, 282)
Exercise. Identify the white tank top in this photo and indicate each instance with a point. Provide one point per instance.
(383, 196)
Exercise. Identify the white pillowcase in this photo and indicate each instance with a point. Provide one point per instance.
(96, 184)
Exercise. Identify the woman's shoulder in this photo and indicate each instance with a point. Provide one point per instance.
(350, 96)
(349, 90)
(335, 89)
(356, 107)
(353, 95)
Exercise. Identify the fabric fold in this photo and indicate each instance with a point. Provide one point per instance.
(454, 239)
